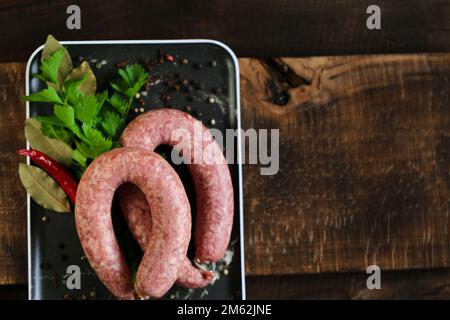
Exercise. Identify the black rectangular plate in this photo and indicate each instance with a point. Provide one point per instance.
(54, 245)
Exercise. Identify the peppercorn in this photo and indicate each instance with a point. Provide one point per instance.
(45, 219)
(188, 88)
(169, 57)
(213, 63)
(122, 63)
(217, 90)
(199, 86)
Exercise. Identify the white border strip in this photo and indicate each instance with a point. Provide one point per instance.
(238, 107)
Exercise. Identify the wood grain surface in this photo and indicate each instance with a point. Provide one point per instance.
(252, 28)
(364, 163)
(404, 284)
(432, 284)
(12, 196)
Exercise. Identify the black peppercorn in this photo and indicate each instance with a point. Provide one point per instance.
(217, 90)
(188, 88)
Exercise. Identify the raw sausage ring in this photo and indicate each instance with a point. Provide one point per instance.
(213, 186)
(136, 212)
(171, 220)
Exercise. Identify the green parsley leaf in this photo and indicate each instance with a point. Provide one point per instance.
(79, 158)
(101, 98)
(50, 66)
(71, 92)
(57, 132)
(97, 141)
(46, 95)
(112, 123)
(119, 103)
(67, 115)
(86, 109)
(52, 45)
(85, 150)
(133, 78)
(53, 120)
(133, 74)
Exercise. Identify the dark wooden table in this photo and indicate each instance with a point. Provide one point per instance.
(364, 161)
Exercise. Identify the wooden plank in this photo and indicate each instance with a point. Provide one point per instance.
(12, 195)
(364, 163)
(405, 284)
(431, 284)
(273, 28)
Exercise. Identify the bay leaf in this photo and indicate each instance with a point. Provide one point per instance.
(89, 85)
(52, 45)
(43, 189)
(54, 148)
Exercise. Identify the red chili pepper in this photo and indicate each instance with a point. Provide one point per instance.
(56, 170)
(169, 57)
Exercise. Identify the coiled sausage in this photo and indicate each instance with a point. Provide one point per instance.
(213, 186)
(171, 221)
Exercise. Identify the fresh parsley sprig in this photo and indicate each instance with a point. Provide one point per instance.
(89, 122)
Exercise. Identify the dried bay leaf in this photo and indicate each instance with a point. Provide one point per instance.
(89, 85)
(43, 189)
(54, 148)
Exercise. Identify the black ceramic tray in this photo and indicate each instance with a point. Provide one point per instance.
(201, 69)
